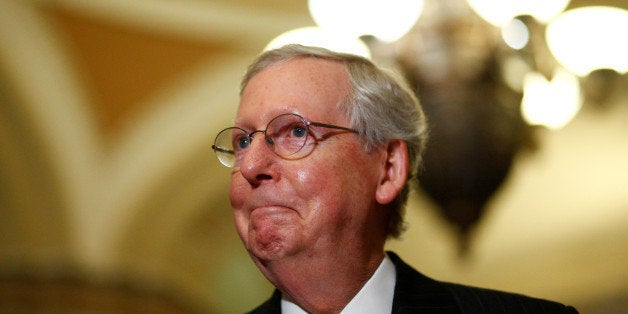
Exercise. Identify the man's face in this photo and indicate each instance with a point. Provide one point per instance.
(317, 206)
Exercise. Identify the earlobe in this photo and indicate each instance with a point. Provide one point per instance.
(396, 167)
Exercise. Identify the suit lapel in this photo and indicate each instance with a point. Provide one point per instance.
(416, 293)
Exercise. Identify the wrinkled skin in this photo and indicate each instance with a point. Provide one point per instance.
(315, 224)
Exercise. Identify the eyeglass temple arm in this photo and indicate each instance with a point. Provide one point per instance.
(222, 150)
(332, 126)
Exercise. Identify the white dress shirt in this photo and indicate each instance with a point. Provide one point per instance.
(376, 296)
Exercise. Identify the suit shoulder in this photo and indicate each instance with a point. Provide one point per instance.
(270, 306)
(415, 290)
(481, 300)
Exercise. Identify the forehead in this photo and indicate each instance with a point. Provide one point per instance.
(309, 86)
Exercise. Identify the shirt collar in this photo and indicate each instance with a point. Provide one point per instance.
(376, 296)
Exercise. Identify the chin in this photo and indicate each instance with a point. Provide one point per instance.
(266, 251)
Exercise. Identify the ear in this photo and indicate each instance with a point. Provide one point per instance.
(395, 174)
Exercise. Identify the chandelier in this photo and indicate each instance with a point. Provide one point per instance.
(488, 74)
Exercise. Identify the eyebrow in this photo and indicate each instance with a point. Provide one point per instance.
(280, 111)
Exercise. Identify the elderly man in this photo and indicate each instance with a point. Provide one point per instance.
(322, 152)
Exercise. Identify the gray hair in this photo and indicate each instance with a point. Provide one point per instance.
(381, 107)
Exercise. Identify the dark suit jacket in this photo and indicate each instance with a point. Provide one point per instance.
(416, 293)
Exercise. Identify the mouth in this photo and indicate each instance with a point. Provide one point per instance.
(270, 210)
(266, 220)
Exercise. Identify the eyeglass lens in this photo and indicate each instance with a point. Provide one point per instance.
(286, 135)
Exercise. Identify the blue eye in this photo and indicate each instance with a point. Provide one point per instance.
(299, 131)
(242, 143)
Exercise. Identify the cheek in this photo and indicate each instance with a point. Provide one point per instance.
(237, 195)
(311, 182)
(302, 176)
(323, 186)
(316, 190)
(238, 192)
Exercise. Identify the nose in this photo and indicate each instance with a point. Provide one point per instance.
(256, 164)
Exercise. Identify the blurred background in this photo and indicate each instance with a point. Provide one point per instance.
(111, 199)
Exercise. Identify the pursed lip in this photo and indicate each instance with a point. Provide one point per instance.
(269, 210)
(269, 201)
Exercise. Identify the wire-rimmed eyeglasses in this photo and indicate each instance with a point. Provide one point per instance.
(287, 135)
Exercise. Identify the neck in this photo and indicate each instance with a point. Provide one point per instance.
(322, 284)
